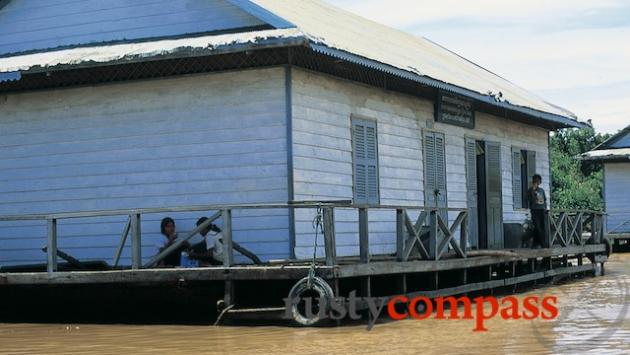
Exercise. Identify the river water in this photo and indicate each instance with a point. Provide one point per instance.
(593, 318)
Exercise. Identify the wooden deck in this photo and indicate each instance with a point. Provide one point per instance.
(429, 259)
(346, 268)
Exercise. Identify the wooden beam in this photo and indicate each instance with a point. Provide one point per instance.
(397, 267)
(228, 248)
(364, 240)
(136, 241)
(174, 275)
(330, 246)
(51, 265)
(123, 240)
(400, 235)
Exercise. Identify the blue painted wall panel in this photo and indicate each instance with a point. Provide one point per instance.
(206, 139)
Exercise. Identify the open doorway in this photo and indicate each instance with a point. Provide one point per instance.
(484, 184)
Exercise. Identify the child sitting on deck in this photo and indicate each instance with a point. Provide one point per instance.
(212, 253)
(167, 228)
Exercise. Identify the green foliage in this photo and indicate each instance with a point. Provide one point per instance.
(576, 184)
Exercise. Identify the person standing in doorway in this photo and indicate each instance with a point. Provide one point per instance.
(537, 202)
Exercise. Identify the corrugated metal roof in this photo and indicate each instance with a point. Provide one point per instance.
(607, 154)
(328, 30)
(129, 52)
(332, 27)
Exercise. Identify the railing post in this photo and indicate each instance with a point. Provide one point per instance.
(547, 241)
(228, 256)
(364, 241)
(123, 240)
(580, 229)
(52, 246)
(400, 234)
(600, 228)
(463, 235)
(329, 236)
(136, 241)
(228, 249)
(433, 235)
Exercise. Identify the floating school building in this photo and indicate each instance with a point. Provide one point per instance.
(614, 154)
(265, 114)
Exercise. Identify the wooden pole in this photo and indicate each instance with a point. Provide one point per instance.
(433, 236)
(329, 236)
(52, 246)
(400, 234)
(123, 240)
(136, 241)
(228, 248)
(364, 246)
(463, 235)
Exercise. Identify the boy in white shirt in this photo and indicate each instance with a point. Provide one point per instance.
(212, 252)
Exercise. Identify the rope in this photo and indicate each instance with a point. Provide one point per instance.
(318, 226)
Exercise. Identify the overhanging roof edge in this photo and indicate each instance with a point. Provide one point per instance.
(563, 122)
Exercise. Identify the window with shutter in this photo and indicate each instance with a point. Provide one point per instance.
(471, 192)
(494, 203)
(365, 151)
(517, 185)
(435, 172)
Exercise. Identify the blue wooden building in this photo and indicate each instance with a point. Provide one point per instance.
(137, 104)
(614, 154)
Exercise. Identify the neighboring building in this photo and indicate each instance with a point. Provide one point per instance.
(113, 105)
(614, 153)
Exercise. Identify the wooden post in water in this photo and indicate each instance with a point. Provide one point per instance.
(136, 241)
(52, 246)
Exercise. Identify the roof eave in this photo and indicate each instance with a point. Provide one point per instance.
(554, 120)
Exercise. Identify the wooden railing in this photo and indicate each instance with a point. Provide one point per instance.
(575, 227)
(429, 240)
(428, 237)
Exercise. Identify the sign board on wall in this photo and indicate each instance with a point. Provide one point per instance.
(454, 109)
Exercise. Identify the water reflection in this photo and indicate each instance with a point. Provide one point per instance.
(593, 319)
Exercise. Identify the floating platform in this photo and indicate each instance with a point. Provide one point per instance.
(424, 264)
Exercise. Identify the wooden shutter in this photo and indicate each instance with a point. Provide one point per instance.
(365, 148)
(494, 187)
(435, 172)
(531, 164)
(472, 191)
(517, 184)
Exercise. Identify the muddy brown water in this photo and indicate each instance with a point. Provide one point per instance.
(593, 318)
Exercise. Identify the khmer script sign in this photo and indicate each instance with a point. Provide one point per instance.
(455, 110)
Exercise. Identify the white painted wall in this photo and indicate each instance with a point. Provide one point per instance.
(204, 139)
(322, 111)
(617, 196)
